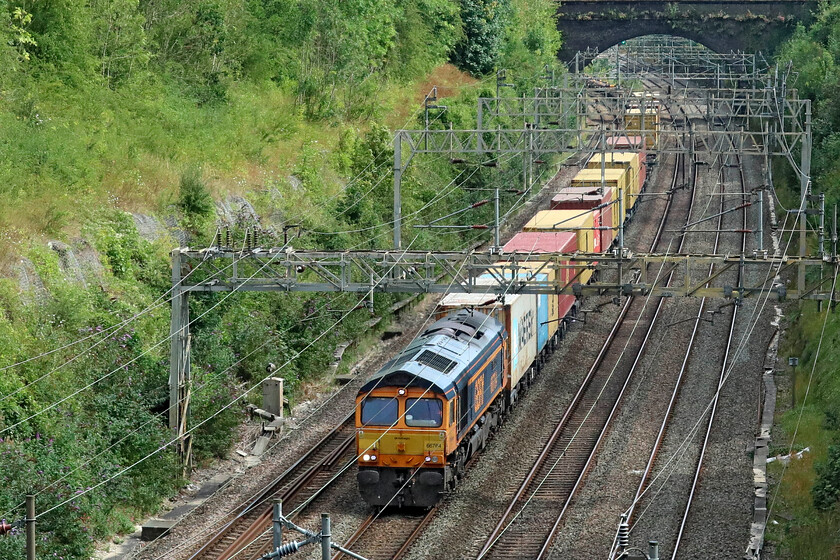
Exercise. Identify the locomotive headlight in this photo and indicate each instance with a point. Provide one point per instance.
(373, 457)
(428, 459)
(434, 459)
(401, 392)
(366, 457)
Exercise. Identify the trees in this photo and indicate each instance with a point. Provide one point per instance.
(484, 23)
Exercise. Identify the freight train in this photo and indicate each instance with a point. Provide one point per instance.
(433, 406)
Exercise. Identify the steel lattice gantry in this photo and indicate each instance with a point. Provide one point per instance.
(286, 270)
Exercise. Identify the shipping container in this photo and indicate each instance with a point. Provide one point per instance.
(631, 143)
(518, 314)
(621, 160)
(647, 124)
(615, 178)
(529, 242)
(583, 198)
(580, 222)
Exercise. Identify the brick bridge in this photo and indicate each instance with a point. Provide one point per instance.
(748, 25)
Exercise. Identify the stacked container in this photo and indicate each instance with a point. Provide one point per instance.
(603, 205)
(631, 162)
(517, 312)
(633, 118)
(528, 243)
(617, 179)
(578, 222)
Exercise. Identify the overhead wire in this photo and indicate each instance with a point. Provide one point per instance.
(751, 323)
(145, 352)
(156, 303)
(214, 414)
(355, 459)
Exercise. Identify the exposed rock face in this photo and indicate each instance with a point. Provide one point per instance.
(236, 210)
(30, 282)
(149, 227)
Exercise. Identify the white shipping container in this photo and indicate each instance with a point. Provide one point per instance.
(519, 316)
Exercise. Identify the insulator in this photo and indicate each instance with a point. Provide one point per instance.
(285, 550)
(623, 533)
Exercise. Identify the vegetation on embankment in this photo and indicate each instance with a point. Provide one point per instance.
(167, 108)
(805, 519)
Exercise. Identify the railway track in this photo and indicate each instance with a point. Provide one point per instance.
(300, 482)
(528, 526)
(387, 536)
(721, 380)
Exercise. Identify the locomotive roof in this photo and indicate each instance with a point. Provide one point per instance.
(441, 355)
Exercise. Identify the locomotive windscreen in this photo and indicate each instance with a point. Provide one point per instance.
(380, 411)
(426, 413)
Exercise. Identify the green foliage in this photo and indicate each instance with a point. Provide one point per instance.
(193, 196)
(111, 105)
(826, 490)
(532, 41)
(484, 23)
(121, 39)
(21, 38)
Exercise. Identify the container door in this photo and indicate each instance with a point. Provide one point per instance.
(542, 315)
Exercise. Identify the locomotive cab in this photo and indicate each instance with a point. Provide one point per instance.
(402, 442)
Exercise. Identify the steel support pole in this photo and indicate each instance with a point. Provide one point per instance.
(179, 363)
(325, 537)
(30, 527)
(277, 521)
(822, 224)
(496, 235)
(603, 159)
(175, 343)
(760, 224)
(397, 183)
(804, 185)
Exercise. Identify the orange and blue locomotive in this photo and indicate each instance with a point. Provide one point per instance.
(429, 409)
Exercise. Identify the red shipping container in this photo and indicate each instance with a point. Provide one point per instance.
(584, 198)
(547, 242)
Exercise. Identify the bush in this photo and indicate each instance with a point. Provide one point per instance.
(826, 489)
(193, 196)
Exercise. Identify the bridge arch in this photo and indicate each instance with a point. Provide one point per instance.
(748, 25)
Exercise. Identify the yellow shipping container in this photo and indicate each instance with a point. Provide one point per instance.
(621, 160)
(580, 222)
(633, 123)
(613, 178)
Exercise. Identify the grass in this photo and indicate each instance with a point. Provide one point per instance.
(796, 529)
(71, 151)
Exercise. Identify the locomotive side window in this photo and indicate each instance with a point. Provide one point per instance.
(426, 413)
(452, 411)
(380, 411)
